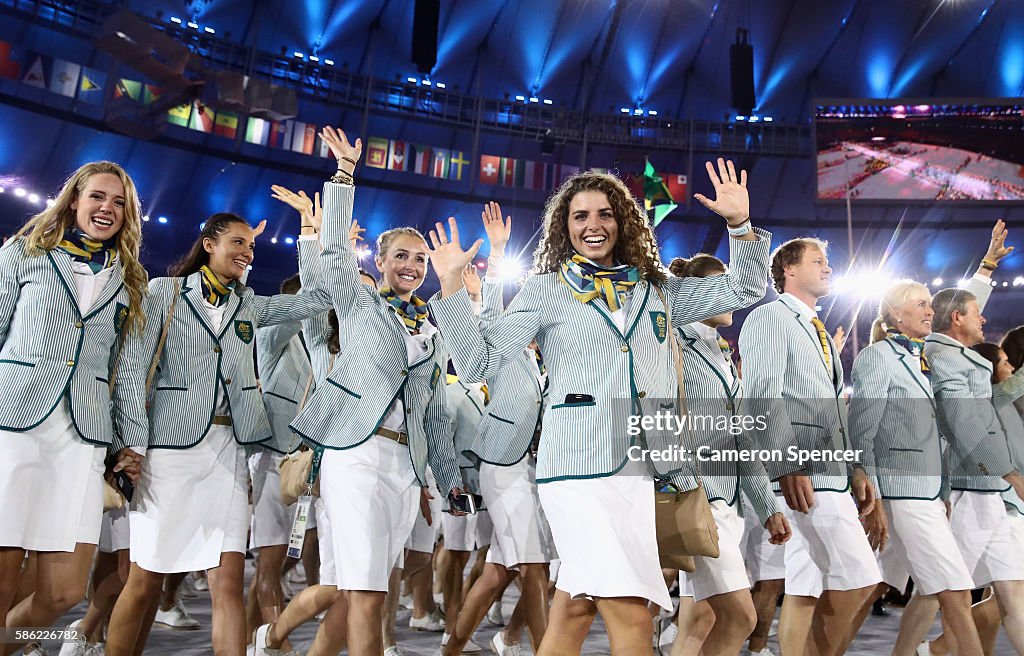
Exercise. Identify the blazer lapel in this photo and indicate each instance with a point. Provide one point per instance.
(637, 305)
(192, 292)
(114, 285)
(234, 304)
(703, 350)
(61, 262)
(806, 325)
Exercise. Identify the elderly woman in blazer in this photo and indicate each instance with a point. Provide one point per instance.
(893, 422)
(503, 449)
(595, 307)
(714, 389)
(191, 507)
(380, 414)
(71, 291)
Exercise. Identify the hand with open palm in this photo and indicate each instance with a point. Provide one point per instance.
(732, 202)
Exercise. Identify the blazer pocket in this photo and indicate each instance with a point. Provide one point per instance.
(249, 387)
(24, 364)
(343, 388)
(502, 420)
(171, 389)
(103, 380)
(581, 404)
(285, 398)
(906, 450)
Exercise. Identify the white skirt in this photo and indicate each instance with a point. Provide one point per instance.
(271, 519)
(328, 572)
(424, 536)
(371, 497)
(521, 531)
(51, 486)
(191, 505)
(921, 544)
(115, 534)
(728, 572)
(988, 535)
(603, 529)
(765, 561)
(466, 532)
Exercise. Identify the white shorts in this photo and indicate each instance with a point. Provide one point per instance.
(371, 497)
(828, 550)
(114, 530)
(603, 529)
(466, 533)
(521, 532)
(765, 561)
(424, 536)
(271, 519)
(921, 544)
(727, 573)
(988, 536)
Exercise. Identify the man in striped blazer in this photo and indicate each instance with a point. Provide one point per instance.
(795, 379)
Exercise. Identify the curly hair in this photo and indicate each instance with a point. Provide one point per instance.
(789, 254)
(700, 265)
(636, 244)
(44, 231)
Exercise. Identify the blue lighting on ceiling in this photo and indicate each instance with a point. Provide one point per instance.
(1011, 67)
(879, 71)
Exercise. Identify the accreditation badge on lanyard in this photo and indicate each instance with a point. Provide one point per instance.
(302, 506)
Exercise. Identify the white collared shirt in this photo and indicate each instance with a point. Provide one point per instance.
(805, 310)
(711, 336)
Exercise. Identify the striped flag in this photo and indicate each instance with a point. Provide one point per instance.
(489, 165)
(419, 155)
(202, 118)
(65, 77)
(441, 161)
(257, 131)
(179, 115)
(226, 124)
(90, 86)
(303, 137)
(398, 157)
(534, 174)
(280, 134)
(377, 153)
(507, 171)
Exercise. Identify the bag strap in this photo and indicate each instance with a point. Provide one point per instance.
(163, 337)
(677, 361)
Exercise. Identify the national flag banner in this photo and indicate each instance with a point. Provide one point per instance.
(150, 93)
(419, 158)
(559, 173)
(65, 77)
(303, 137)
(677, 187)
(507, 171)
(179, 115)
(10, 66)
(35, 74)
(226, 124)
(128, 89)
(308, 138)
(257, 131)
(657, 199)
(397, 156)
(322, 149)
(458, 161)
(489, 165)
(534, 174)
(90, 85)
(281, 134)
(202, 118)
(441, 160)
(377, 153)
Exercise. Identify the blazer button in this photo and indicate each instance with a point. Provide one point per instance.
(730, 407)
(216, 349)
(624, 348)
(404, 372)
(641, 394)
(78, 324)
(408, 411)
(71, 363)
(538, 402)
(227, 381)
(842, 431)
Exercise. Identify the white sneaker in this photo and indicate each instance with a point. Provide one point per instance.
(405, 601)
(199, 582)
(77, 647)
(432, 621)
(438, 598)
(260, 643)
(494, 616)
(297, 575)
(669, 631)
(470, 647)
(499, 647)
(924, 649)
(764, 652)
(393, 650)
(187, 589)
(176, 617)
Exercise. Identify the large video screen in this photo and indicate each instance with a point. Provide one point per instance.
(900, 150)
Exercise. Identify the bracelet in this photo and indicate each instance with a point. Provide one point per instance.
(739, 230)
(343, 178)
(349, 160)
(989, 264)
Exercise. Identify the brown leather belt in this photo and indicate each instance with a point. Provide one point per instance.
(401, 438)
(221, 420)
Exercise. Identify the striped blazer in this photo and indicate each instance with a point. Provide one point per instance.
(893, 420)
(285, 372)
(708, 394)
(598, 374)
(513, 416)
(374, 369)
(465, 408)
(198, 361)
(316, 328)
(50, 350)
(788, 381)
(1013, 427)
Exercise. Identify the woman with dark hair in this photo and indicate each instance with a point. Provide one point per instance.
(719, 586)
(601, 307)
(191, 507)
(1013, 346)
(71, 290)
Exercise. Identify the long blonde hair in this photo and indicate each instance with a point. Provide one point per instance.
(44, 231)
(636, 244)
(895, 296)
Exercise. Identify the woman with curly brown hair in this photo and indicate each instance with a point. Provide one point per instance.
(71, 289)
(600, 305)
